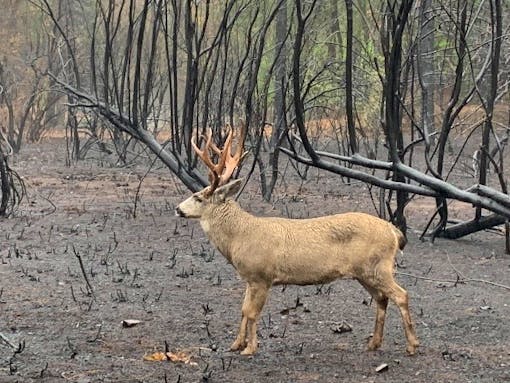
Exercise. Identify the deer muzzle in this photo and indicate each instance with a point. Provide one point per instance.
(179, 212)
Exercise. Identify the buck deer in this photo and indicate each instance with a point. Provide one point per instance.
(273, 251)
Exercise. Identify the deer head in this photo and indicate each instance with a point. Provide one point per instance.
(220, 189)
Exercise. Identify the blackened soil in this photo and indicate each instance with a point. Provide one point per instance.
(161, 270)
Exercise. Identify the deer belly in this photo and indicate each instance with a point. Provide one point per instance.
(318, 274)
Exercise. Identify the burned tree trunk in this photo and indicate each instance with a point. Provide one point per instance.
(12, 188)
(280, 82)
(5, 184)
(480, 222)
(392, 38)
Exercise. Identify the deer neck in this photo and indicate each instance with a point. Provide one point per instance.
(224, 224)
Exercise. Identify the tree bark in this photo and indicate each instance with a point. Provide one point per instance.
(426, 72)
(280, 83)
(495, 51)
(349, 105)
(392, 36)
(5, 185)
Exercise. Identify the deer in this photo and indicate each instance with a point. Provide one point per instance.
(271, 251)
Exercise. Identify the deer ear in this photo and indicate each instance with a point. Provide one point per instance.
(228, 190)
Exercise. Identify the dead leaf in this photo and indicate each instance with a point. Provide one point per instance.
(179, 356)
(156, 357)
(176, 357)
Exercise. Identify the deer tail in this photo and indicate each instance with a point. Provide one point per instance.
(401, 238)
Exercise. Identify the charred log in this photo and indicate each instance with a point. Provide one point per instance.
(465, 228)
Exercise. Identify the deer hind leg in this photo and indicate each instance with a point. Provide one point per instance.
(254, 300)
(400, 297)
(382, 304)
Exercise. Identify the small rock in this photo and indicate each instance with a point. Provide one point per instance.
(130, 322)
(447, 355)
(382, 367)
(340, 328)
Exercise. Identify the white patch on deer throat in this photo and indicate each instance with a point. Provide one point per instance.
(205, 226)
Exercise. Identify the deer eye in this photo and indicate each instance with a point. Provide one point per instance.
(198, 199)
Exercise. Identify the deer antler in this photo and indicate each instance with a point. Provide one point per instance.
(231, 161)
(214, 169)
(220, 173)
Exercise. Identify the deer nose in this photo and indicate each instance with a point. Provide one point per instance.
(179, 212)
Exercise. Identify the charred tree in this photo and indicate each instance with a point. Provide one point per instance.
(12, 187)
(280, 86)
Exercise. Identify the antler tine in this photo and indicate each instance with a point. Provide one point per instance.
(203, 154)
(214, 170)
(222, 154)
(232, 161)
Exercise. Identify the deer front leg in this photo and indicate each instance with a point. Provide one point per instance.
(240, 342)
(254, 300)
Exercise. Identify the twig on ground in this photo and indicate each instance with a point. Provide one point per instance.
(41, 373)
(137, 195)
(98, 334)
(72, 347)
(47, 199)
(6, 340)
(460, 279)
(463, 277)
(77, 254)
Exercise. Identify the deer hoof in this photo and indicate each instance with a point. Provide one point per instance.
(411, 349)
(238, 345)
(248, 351)
(373, 345)
(412, 345)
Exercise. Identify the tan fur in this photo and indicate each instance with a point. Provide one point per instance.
(272, 251)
